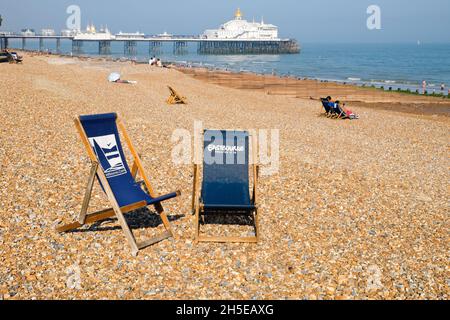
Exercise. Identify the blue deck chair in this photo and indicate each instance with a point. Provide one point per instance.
(326, 106)
(100, 136)
(337, 111)
(225, 184)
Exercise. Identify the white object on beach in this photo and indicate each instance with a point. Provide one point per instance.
(113, 77)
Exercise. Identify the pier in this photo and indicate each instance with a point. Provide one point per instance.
(237, 36)
(180, 44)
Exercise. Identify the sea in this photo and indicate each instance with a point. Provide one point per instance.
(388, 66)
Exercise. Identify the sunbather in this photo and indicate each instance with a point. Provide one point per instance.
(326, 105)
(349, 113)
(342, 112)
(335, 109)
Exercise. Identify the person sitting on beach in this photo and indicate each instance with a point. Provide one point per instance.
(349, 113)
(336, 108)
(333, 105)
(330, 104)
(152, 61)
(325, 104)
(343, 112)
(159, 63)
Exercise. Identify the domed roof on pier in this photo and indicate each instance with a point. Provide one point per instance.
(239, 28)
(238, 15)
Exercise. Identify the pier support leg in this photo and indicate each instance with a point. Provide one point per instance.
(58, 45)
(104, 47)
(154, 47)
(77, 46)
(130, 48)
(24, 43)
(3, 43)
(41, 44)
(180, 47)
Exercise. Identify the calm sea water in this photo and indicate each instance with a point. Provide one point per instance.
(395, 65)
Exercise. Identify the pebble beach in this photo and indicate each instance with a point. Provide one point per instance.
(357, 210)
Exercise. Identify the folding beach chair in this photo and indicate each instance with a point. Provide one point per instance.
(326, 106)
(333, 109)
(338, 111)
(175, 98)
(225, 186)
(100, 136)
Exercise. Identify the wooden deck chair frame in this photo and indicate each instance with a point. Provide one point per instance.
(115, 210)
(197, 206)
(175, 98)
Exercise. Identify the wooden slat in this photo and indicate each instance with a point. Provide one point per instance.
(123, 223)
(85, 140)
(257, 230)
(194, 188)
(100, 215)
(134, 170)
(197, 223)
(255, 170)
(68, 227)
(166, 222)
(137, 159)
(149, 242)
(88, 193)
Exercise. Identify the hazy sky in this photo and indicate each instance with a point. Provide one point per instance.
(305, 20)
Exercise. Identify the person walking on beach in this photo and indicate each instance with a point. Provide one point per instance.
(424, 86)
(442, 87)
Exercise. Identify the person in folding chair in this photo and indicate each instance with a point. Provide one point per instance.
(100, 136)
(225, 186)
(326, 105)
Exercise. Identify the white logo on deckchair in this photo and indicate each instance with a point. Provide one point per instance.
(105, 147)
(224, 149)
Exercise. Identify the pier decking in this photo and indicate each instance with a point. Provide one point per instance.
(180, 43)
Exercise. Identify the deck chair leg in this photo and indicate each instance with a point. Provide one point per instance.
(126, 230)
(256, 215)
(159, 208)
(87, 195)
(123, 223)
(194, 189)
(197, 223)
